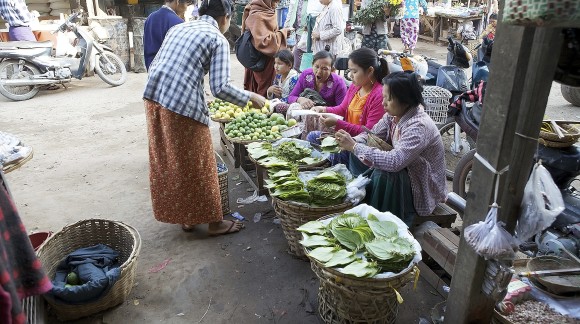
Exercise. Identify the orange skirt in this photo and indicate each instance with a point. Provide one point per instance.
(182, 168)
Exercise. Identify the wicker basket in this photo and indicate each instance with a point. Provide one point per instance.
(343, 299)
(120, 237)
(293, 215)
(568, 140)
(437, 101)
(223, 180)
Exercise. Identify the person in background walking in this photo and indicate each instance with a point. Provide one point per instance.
(158, 24)
(329, 28)
(182, 165)
(260, 19)
(375, 34)
(297, 18)
(282, 12)
(410, 23)
(18, 18)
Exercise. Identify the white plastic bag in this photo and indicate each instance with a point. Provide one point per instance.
(355, 190)
(541, 204)
(489, 239)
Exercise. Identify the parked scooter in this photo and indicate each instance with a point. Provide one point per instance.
(25, 66)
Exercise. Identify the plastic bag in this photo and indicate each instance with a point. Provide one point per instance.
(489, 239)
(355, 190)
(541, 204)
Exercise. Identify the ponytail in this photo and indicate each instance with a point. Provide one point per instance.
(382, 70)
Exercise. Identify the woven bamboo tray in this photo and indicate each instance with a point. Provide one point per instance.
(343, 299)
(221, 120)
(223, 181)
(120, 237)
(572, 136)
(293, 215)
(14, 166)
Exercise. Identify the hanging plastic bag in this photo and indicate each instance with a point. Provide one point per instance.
(541, 204)
(489, 239)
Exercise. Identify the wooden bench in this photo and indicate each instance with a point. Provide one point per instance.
(441, 246)
(443, 216)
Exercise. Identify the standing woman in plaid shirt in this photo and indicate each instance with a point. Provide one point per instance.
(182, 165)
(408, 180)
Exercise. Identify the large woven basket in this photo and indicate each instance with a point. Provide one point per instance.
(343, 299)
(120, 237)
(223, 181)
(293, 215)
(552, 139)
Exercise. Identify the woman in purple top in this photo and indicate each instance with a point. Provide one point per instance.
(320, 78)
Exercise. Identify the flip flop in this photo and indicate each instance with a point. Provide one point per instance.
(229, 230)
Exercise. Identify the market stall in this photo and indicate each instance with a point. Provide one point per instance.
(440, 21)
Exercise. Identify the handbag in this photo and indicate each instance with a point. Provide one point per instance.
(248, 55)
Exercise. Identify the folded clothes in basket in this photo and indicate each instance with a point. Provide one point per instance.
(96, 269)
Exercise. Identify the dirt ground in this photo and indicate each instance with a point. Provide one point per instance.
(90, 161)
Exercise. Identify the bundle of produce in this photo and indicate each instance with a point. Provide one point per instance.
(330, 145)
(223, 110)
(286, 185)
(327, 188)
(256, 126)
(359, 246)
(290, 150)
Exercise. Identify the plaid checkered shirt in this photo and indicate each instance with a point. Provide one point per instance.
(176, 76)
(417, 146)
(15, 12)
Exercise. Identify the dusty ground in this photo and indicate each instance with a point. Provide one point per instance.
(91, 162)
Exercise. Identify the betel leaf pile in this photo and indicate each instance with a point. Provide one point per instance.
(326, 189)
(330, 145)
(356, 246)
(289, 151)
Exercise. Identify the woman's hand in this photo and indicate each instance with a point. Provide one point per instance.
(257, 100)
(319, 109)
(305, 103)
(275, 90)
(328, 121)
(315, 35)
(344, 140)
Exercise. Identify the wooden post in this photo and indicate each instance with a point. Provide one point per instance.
(524, 61)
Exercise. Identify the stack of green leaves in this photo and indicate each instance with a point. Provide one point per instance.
(371, 13)
(330, 145)
(327, 188)
(286, 185)
(337, 245)
(290, 151)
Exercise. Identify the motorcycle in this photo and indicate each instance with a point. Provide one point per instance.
(25, 66)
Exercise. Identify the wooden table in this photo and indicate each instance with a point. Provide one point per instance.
(453, 20)
(433, 24)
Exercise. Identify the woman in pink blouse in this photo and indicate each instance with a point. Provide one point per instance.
(408, 180)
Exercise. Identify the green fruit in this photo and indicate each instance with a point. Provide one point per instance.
(72, 278)
(292, 122)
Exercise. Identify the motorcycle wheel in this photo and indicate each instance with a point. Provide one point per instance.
(10, 70)
(110, 68)
(451, 158)
(571, 94)
(462, 178)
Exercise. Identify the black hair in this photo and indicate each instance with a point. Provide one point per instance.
(366, 58)
(216, 8)
(493, 16)
(285, 56)
(406, 88)
(323, 55)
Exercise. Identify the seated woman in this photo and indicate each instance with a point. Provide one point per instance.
(363, 104)
(319, 86)
(409, 180)
(285, 80)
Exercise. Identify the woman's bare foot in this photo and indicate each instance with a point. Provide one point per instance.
(187, 228)
(224, 227)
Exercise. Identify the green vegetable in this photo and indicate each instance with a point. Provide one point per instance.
(392, 254)
(72, 278)
(292, 152)
(340, 257)
(361, 269)
(382, 229)
(322, 254)
(327, 188)
(316, 240)
(330, 145)
(352, 231)
(309, 160)
(313, 227)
